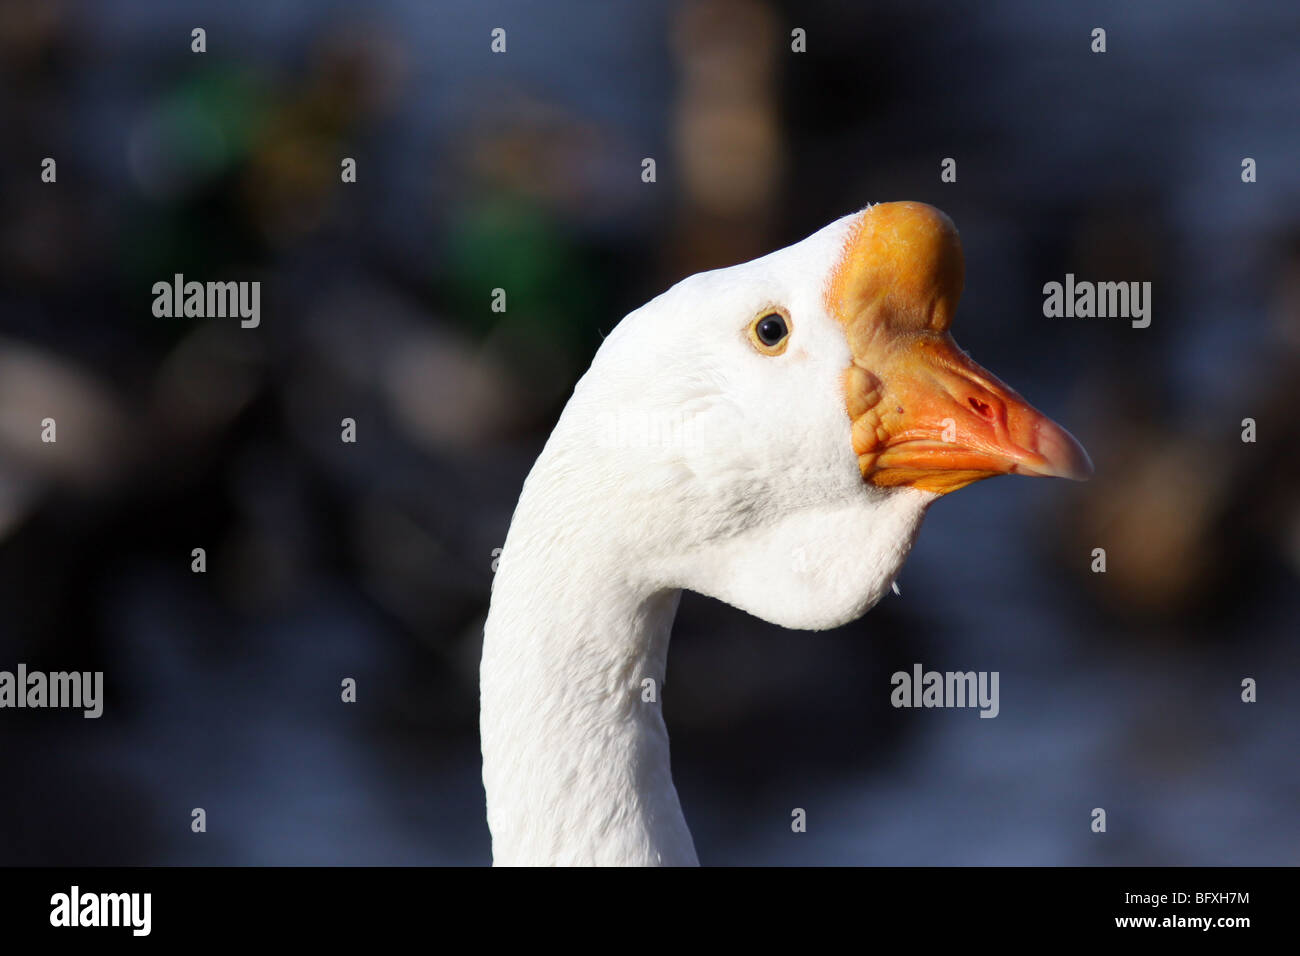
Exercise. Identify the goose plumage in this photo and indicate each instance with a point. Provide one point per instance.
(768, 434)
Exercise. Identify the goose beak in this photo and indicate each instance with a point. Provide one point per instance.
(943, 422)
(924, 413)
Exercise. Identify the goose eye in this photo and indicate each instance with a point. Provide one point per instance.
(770, 333)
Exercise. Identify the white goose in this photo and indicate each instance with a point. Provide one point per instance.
(770, 435)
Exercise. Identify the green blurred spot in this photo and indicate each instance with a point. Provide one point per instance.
(552, 293)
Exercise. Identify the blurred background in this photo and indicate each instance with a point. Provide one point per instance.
(523, 171)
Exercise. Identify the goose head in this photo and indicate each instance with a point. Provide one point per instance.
(771, 434)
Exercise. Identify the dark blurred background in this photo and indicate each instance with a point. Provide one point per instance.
(523, 171)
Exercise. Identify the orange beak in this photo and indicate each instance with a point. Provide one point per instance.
(924, 413)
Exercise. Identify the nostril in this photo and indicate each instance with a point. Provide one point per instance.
(981, 408)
